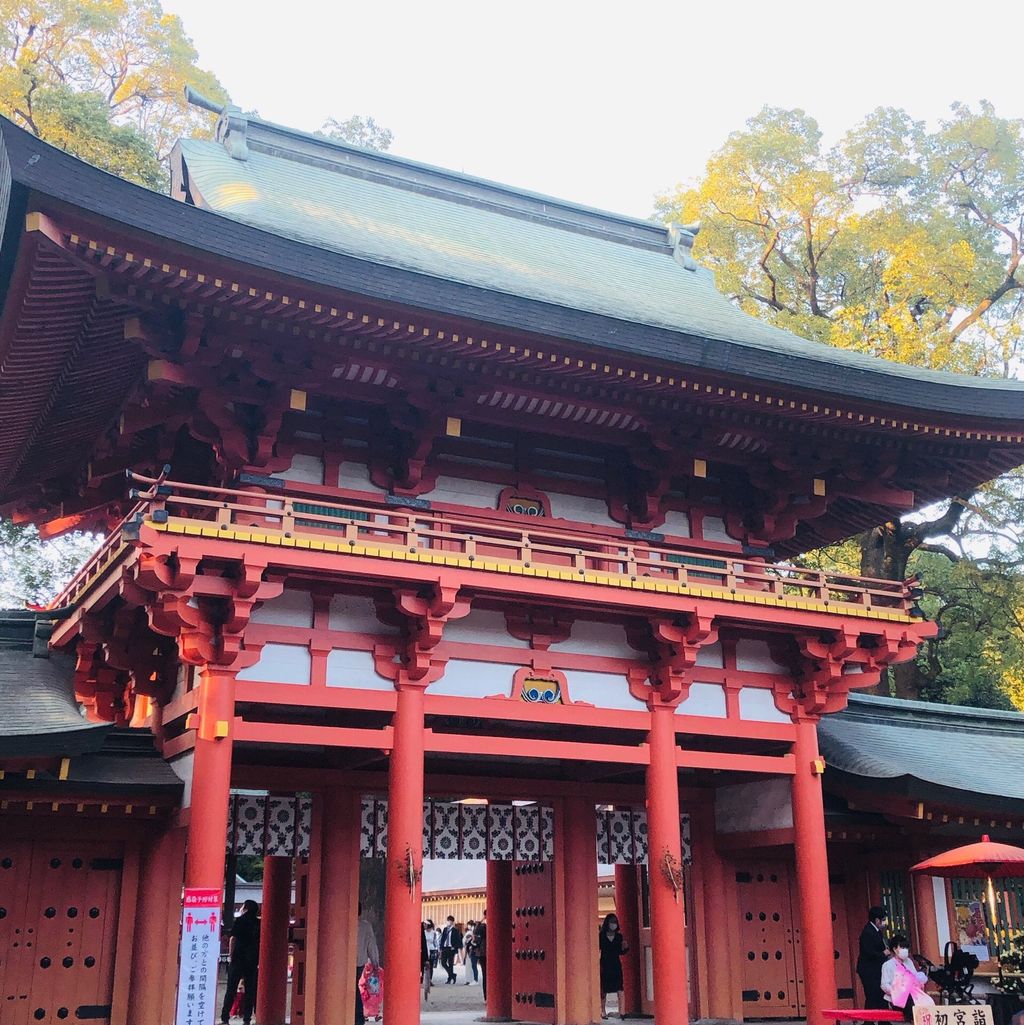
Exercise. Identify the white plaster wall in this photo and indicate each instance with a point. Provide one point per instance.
(304, 469)
(941, 911)
(591, 638)
(677, 523)
(754, 656)
(465, 678)
(480, 494)
(356, 476)
(290, 608)
(713, 529)
(184, 767)
(482, 626)
(355, 614)
(280, 663)
(603, 690)
(757, 704)
(582, 510)
(711, 656)
(754, 807)
(354, 669)
(852, 669)
(704, 699)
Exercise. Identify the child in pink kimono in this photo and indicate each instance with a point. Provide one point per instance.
(902, 982)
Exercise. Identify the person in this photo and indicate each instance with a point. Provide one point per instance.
(902, 981)
(433, 944)
(480, 940)
(451, 944)
(366, 951)
(612, 948)
(426, 968)
(469, 958)
(243, 961)
(873, 952)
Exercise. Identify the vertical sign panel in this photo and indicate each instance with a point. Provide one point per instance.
(200, 946)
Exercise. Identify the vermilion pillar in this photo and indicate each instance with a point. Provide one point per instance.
(272, 992)
(405, 859)
(816, 940)
(924, 914)
(335, 988)
(499, 941)
(157, 918)
(665, 861)
(627, 907)
(578, 867)
(211, 779)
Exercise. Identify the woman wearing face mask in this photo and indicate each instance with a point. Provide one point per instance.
(612, 948)
(902, 982)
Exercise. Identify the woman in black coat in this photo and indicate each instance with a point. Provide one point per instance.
(612, 948)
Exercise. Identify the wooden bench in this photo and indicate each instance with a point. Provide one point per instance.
(859, 1014)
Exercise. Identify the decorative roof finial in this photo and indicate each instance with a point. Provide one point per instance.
(231, 123)
(680, 237)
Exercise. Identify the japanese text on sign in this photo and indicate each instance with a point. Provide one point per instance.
(200, 948)
(954, 1014)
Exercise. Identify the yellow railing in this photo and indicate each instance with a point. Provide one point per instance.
(536, 547)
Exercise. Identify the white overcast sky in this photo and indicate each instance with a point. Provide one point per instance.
(603, 103)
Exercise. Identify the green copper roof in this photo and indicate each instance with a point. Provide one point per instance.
(401, 214)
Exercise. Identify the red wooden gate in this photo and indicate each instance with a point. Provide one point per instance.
(773, 974)
(767, 943)
(58, 930)
(533, 942)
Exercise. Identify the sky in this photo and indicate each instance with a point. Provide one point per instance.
(607, 104)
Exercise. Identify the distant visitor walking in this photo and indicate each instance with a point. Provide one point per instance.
(612, 947)
(244, 955)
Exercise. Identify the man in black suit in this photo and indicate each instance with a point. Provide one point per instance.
(451, 944)
(874, 951)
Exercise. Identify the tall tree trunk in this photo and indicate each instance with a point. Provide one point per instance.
(884, 553)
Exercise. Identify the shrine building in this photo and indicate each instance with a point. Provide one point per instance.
(444, 519)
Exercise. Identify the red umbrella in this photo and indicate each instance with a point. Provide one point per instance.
(975, 861)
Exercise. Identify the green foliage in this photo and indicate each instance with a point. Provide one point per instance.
(35, 571)
(896, 241)
(80, 124)
(69, 61)
(906, 244)
(358, 131)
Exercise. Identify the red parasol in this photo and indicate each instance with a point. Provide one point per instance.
(975, 861)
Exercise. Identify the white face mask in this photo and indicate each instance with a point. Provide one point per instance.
(902, 952)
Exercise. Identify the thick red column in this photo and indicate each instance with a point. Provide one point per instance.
(403, 887)
(816, 940)
(499, 940)
(157, 916)
(338, 917)
(665, 862)
(627, 907)
(272, 992)
(211, 779)
(577, 864)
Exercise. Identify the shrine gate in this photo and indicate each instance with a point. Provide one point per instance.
(439, 491)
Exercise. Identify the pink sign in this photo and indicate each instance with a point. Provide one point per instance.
(200, 949)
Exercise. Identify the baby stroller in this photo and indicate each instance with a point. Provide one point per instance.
(955, 976)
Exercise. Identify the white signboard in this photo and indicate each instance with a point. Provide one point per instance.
(200, 947)
(953, 1014)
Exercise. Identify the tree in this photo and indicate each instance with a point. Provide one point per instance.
(906, 244)
(104, 79)
(895, 241)
(358, 131)
(34, 571)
